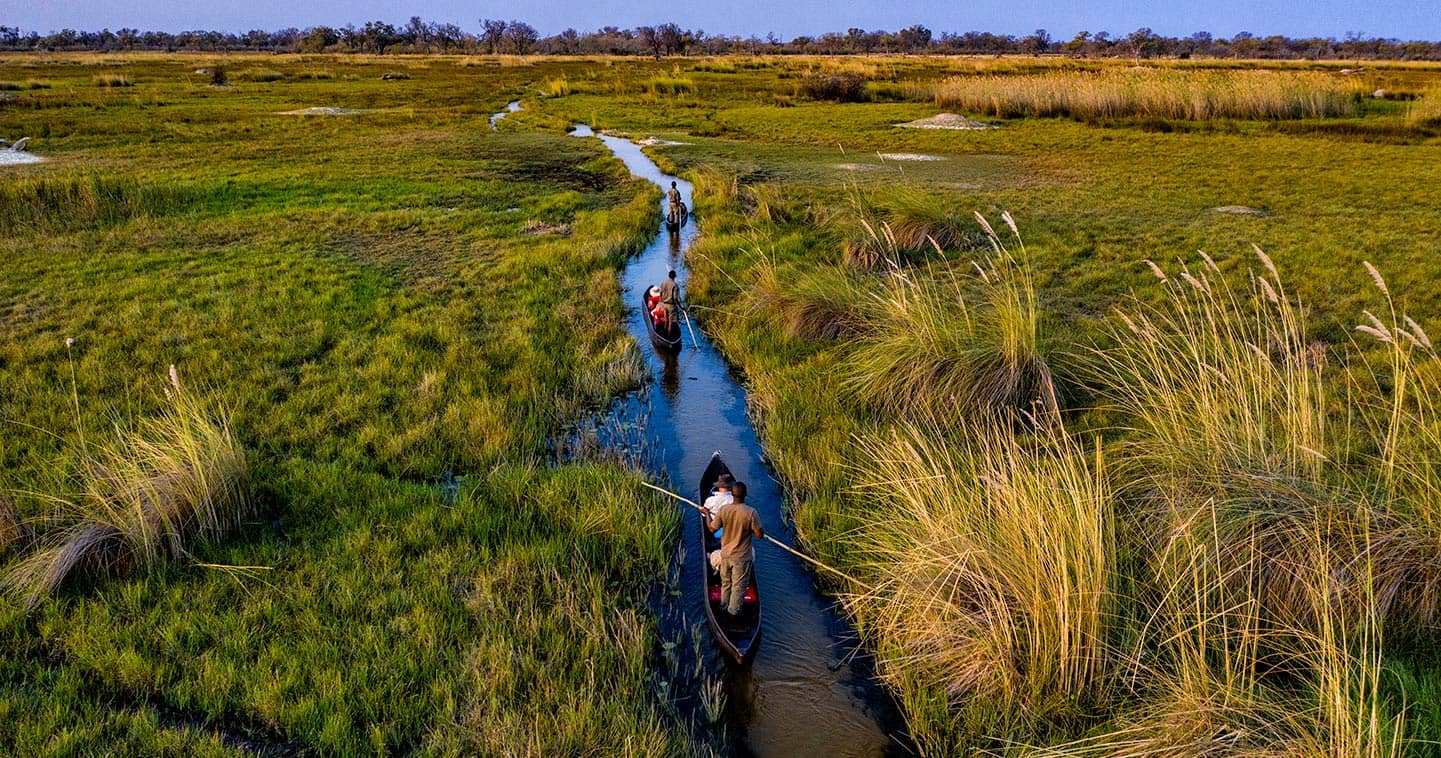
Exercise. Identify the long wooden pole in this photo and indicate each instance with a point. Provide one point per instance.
(769, 539)
(685, 316)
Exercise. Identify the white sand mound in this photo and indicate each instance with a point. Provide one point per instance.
(12, 158)
(318, 111)
(657, 142)
(1241, 210)
(909, 157)
(946, 121)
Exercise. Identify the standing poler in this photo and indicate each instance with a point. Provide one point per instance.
(739, 524)
(670, 298)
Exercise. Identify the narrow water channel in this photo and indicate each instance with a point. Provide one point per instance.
(809, 690)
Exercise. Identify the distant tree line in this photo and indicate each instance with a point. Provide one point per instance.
(520, 38)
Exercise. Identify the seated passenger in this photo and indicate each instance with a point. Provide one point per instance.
(722, 495)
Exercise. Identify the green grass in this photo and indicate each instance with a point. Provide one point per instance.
(395, 356)
(358, 291)
(1230, 609)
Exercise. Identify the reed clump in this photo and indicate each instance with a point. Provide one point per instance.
(1152, 93)
(811, 306)
(992, 558)
(928, 351)
(901, 224)
(63, 203)
(669, 85)
(112, 80)
(1425, 111)
(260, 75)
(175, 480)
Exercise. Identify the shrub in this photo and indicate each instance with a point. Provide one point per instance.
(839, 86)
(112, 80)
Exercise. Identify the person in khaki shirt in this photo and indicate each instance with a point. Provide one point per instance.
(670, 298)
(738, 523)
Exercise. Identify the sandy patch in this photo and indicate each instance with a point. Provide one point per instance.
(12, 158)
(319, 111)
(857, 166)
(657, 142)
(1241, 210)
(946, 121)
(909, 157)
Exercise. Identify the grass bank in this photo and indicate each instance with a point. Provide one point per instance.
(1208, 548)
(398, 310)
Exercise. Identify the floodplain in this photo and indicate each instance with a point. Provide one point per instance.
(1107, 494)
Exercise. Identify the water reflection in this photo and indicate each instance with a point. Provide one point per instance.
(809, 690)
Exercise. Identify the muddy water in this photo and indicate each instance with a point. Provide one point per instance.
(809, 690)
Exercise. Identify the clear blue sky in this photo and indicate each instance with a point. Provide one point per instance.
(1404, 19)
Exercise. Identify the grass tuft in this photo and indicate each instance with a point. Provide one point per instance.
(176, 480)
(929, 352)
(811, 306)
(112, 80)
(993, 561)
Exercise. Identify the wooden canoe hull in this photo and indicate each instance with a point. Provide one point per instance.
(670, 341)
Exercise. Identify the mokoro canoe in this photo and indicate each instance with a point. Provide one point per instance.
(674, 219)
(663, 339)
(737, 635)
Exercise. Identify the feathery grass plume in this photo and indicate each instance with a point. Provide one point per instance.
(1398, 402)
(1215, 683)
(928, 352)
(992, 560)
(901, 223)
(1230, 441)
(175, 480)
(1217, 381)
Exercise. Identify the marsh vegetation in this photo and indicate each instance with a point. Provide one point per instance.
(1106, 507)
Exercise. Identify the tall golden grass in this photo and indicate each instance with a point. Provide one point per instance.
(1223, 583)
(995, 578)
(1425, 111)
(175, 480)
(1151, 93)
(931, 352)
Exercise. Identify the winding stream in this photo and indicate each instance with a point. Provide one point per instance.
(810, 690)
